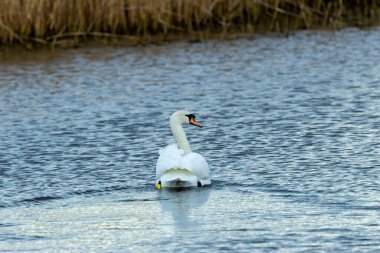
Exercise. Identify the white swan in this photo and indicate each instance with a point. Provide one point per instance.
(180, 167)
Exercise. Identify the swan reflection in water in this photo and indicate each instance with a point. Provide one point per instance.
(184, 205)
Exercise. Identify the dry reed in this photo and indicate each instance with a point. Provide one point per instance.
(51, 22)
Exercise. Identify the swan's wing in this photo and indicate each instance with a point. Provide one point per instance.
(197, 165)
(170, 157)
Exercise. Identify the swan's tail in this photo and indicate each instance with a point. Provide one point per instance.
(177, 178)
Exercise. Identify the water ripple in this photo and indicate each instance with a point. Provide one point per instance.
(292, 139)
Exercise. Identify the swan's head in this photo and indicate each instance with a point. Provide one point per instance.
(183, 118)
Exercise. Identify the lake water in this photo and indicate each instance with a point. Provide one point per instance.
(292, 138)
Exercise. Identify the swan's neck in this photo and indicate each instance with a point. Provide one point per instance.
(180, 136)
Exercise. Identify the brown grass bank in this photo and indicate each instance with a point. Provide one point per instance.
(51, 22)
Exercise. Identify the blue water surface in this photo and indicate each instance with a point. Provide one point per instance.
(292, 138)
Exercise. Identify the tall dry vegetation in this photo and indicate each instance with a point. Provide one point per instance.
(48, 21)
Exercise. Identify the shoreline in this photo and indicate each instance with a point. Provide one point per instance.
(19, 53)
(67, 24)
(152, 40)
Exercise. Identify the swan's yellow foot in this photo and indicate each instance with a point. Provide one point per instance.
(158, 186)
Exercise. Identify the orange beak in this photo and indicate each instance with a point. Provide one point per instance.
(195, 123)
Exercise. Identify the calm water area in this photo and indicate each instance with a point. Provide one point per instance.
(292, 138)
